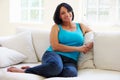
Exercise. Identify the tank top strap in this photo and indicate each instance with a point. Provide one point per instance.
(78, 26)
(60, 26)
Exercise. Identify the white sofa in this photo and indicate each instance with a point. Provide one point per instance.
(27, 46)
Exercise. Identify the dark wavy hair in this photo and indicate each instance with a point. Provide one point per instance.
(56, 16)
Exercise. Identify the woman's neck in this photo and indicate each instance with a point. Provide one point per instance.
(70, 24)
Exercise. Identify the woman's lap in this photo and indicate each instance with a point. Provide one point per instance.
(53, 66)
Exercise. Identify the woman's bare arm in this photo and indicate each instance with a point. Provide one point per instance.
(60, 47)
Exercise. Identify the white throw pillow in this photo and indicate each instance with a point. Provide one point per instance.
(9, 57)
(86, 60)
(21, 42)
(107, 50)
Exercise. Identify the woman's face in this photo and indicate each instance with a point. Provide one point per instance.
(65, 15)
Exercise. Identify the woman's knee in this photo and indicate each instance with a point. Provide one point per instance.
(55, 68)
(69, 72)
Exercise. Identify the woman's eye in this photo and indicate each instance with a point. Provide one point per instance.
(68, 11)
(62, 13)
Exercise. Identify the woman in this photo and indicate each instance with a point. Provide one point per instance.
(66, 38)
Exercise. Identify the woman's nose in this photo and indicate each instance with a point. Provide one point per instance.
(67, 14)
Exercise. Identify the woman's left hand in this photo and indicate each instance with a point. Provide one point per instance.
(89, 45)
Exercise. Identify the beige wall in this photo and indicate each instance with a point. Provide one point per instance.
(7, 28)
(4, 18)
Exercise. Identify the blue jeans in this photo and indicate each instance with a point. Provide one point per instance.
(54, 65)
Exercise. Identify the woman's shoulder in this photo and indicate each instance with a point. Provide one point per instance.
(55, 26)
(80, 24)
(85, 28)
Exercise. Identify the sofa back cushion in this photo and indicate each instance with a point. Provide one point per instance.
(107, 50)
(40, 38)
(41, 41)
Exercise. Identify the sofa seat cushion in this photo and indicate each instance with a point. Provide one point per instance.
(98, 74)
(4, 75)
(83, 74)
(92, 74)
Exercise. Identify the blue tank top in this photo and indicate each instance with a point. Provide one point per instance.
(70, 38)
